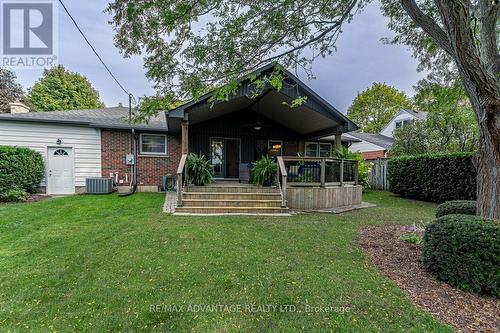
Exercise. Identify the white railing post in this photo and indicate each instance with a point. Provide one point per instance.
(342, 172)
(180, 170)
(284, 176)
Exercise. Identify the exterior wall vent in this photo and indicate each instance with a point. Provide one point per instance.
(98, 185)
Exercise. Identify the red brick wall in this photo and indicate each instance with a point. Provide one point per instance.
(372, 155)
(115, 145)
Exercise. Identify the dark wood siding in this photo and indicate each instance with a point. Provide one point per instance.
(253, 143)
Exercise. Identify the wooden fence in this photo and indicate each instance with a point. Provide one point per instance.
(377, 177)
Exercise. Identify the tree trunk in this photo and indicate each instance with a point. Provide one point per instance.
(487, 161)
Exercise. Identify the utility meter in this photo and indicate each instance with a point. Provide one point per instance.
(130, 160)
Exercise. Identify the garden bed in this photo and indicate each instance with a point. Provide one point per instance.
(400, 261)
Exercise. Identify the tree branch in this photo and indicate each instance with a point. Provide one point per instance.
(428, 25)
(489, 49)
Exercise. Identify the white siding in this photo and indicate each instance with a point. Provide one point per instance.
(85, 141)
(364, 147)
(389, 129)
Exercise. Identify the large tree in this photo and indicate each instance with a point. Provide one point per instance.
(190, 44)
(59, 89)
(373, 108)
(10, 89)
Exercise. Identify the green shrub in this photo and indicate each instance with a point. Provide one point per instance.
(14, 194)
(464, 251)
(20, 168)
(264, 171)
(199, 171)
(363, 166)
(433, 177)
(467, 207)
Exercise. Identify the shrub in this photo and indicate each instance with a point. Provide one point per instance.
(264, 171)
(363, 166)
(433, 177)
(467, 207)
(464, 251)
(14, 194)
(199, 170)
(20, 168)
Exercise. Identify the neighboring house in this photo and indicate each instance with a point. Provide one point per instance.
(374, 146)
(230, 134)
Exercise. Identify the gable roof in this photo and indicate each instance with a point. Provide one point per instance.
(112, 117)
(291, 91)
(420, 115)
(377, 139)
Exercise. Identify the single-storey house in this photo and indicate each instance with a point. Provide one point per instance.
(231, 134)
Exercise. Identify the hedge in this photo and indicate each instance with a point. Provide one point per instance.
(467, 207)
(433, 177)
(464, 251)
(20, 169)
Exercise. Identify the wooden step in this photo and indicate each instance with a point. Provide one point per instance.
(231, 203)
(230, 210)
(232, 189)
(232, 196)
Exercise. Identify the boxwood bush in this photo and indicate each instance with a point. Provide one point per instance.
(464, 251)
(433, 177)
(21, 169)
(467, 207)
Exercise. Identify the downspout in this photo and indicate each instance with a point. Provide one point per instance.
(133, 181)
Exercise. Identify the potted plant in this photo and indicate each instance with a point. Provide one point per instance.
(264, 171)
(198, 170)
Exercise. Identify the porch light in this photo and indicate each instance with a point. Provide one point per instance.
(257, 127)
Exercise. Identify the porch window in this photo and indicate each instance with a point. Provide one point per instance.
(275, 147)
(325, 149)
(153, 144)
(311, 149)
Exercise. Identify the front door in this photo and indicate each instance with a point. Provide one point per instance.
(225, 157)
(60, 178)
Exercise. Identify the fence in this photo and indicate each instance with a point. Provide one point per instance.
(377, 177)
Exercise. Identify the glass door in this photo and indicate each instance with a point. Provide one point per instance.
(217, 157)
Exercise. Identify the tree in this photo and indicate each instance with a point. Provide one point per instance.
(412, 139)
(190, 44)
(10, 89)
(59, 89)
(373, 108)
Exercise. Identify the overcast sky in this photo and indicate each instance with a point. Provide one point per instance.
(361, 58)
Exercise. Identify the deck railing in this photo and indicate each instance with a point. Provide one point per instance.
(319, 171)
(180, 182)
(281, 178)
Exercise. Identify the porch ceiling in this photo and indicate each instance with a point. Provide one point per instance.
(270, 104)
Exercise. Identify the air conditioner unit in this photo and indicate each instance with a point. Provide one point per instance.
(98, 185)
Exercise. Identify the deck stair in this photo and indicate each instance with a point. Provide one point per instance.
(224, 198)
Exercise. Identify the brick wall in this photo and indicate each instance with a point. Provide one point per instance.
(115, 145)
(372, 155)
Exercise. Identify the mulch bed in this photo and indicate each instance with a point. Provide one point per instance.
(32, 198)
(400, 262)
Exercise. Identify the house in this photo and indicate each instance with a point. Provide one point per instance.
(374, 146)
(230, 134)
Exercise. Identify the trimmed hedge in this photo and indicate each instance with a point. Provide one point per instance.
(20, 169)
(467, 207)
(464, 251)
(433, 177)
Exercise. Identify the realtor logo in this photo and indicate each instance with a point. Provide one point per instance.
(28, 33)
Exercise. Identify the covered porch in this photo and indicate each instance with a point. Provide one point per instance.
(235, 133)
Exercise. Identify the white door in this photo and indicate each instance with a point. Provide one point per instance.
(60, 179)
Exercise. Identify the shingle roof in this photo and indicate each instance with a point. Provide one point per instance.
(377, 139)
(112, 117)
(417, 114)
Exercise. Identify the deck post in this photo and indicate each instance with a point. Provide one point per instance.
(356, 173)
(323, 172)
(184, 137)
(338, 140)
(342, 172)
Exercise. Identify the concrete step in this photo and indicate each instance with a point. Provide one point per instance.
(232, 189)
(232, 196)
(230, 210)
(240, 203)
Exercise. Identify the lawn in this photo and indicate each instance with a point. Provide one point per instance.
(105, 263)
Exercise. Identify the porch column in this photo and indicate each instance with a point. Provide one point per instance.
(338, 140)
(184, 137)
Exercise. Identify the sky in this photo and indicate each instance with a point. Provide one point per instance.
(360, 60)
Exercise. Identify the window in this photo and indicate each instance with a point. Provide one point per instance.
(60, 152)
(153, 144)
(275, 147)
(402, 123)
(311, 149)
(325, 149)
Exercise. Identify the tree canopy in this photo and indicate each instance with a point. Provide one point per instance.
(59, 89)
(373, 108)
(10, 89)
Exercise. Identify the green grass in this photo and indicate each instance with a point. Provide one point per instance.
(98, 263)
